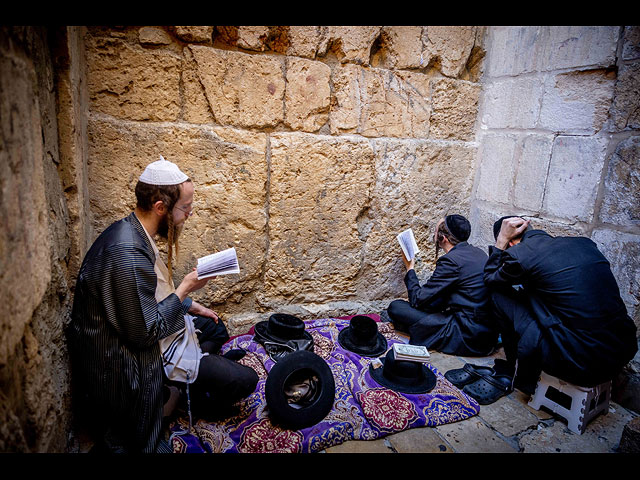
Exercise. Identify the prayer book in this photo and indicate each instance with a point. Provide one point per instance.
(408, 243)
(220, 263)
(411, 353)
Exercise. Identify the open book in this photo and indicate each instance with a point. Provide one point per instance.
(412, 353)
(408, 243)
(221, 263)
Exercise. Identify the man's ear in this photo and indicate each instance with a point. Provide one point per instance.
(159, 208)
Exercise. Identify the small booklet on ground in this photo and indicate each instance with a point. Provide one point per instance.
(220, 263)
(412, 353)
(408, 243)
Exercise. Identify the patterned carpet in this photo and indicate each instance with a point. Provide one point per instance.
(362, 409)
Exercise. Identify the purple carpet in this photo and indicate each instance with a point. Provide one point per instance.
(362, 409)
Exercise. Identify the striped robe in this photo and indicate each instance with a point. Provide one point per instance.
(115, 327)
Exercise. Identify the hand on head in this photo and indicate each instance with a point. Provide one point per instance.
(510, 230)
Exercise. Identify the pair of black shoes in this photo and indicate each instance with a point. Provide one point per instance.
(484, 384)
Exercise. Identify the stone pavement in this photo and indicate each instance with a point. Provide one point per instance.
(506, 426)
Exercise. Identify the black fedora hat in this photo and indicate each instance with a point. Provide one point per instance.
(402, 375)
(281, 328)
(300, 390)
(361, 336)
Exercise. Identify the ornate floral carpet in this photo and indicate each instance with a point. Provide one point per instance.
(362, 409)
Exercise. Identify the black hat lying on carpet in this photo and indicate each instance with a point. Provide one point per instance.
(282, 334)
(300, 390)
(361, 336)
(402, 375)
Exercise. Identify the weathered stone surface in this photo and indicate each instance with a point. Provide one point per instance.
(352, 44)
(25, 250)
(532, 170)
(401, 47)
(574, 176)
(197, 33)
(196, 108)
(304, 41)
(307, 96)
(153, 36)
(625, 112)
(252, 38)
(129, 82)
(454, 109)
(517, 50)
(319, 186)
(416, 184)
(512, 103)
(242, 89)
(630, 439)
(498, 167)
(419, 440)
(473, 436)
(229, 170)
(448, 47)
(375, 103)
(508, 416)
(577, 102)
(623, 252)
(621, 201)
(631, 43)
(557, 438)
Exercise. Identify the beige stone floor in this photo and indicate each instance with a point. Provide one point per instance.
(506, 426)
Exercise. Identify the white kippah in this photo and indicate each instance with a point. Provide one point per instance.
(162, 172)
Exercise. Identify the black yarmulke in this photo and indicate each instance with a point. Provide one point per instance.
(459, 226)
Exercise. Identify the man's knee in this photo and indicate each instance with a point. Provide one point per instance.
(396, 308)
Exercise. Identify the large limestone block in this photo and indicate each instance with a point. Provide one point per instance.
(229, 170)
(517, 50)
(308, 94)
(512, 103)
(498, 167)
(449, 47)
(130, 82)
(621, 202)
(417, 183)
(25, 249)
(454, 109)
(577, 102)
(531, 176)
(574, 176)
(243, 90)
(319, 187)
(379, 103)
(194, 33)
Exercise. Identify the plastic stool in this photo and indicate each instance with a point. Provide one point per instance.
(584, 402)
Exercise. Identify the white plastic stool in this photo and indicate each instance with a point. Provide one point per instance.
(586, 402)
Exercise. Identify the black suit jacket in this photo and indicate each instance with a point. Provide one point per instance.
(582, 329)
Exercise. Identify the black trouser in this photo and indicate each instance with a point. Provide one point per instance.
(220, 382)
(512, 314)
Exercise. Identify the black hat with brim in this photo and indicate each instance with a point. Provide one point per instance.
(403, 376)
(299, 372)
(361, 336)
(281, 328)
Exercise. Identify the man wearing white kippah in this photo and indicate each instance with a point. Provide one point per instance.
(131, 329)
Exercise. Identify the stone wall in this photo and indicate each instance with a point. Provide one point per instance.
(36, 244)
(311, 148)
(558, 136)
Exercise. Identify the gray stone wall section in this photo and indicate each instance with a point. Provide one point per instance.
(558, 137)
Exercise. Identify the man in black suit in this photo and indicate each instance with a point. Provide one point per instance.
(558, 307)
(449, 312)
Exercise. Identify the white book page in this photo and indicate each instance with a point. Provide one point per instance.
(408, 243)
(221, 263)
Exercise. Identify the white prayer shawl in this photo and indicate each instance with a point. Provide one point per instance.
(181, 351)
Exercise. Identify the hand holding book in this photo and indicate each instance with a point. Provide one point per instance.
(220, 263)
(408, 243)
